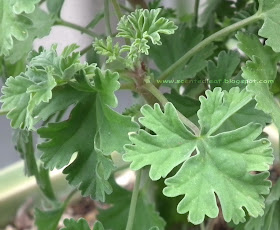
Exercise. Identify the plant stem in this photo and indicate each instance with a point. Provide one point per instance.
(85, 50)
(42, 176)
(133, 202)
(128, 86)
(107, 18)
(61, 22)
(125, 8)
(202, 226)
(117, 9)
(204, 43)
(196, 11)
(157, 94)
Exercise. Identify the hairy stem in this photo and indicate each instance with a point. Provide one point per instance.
(107, 18)
(61, 22)
(85, 50)
(133, 203)
(128, 86)
(42, 176)
(196, 11)
(205, 43)
(153, 90)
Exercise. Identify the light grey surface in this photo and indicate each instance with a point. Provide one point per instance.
(79, 12)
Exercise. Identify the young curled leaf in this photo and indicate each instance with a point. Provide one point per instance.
(107, 48)
(144, 23)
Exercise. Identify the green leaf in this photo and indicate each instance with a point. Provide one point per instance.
(222, 72)
(260, 73)
(177, 45)
(106, 83)
(63, 97)
(40, 92)
(145, 24)
(11, 26)
(91, 125)
(40, 27)
(220, 166)
(189, 108)
(64, 66)
(23, 93)
(269, 12)
(48, 220)
(116, 216)
(107, 49)
(98, 226)
(15, 101)
(81, 224)
(270, 219)
(58, 151)
(27, 6)
(55, 6)
(225, 105)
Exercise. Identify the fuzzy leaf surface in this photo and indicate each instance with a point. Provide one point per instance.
(12, 26)
(261, 71)
(270, 219)
(269, 11)
(229, 156)
(40, 26)
(143, 23)
(77, 135)
(23, 93)
(223, 70)
(27, 6)
(91, 126)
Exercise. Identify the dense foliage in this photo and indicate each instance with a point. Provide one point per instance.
(203, 141)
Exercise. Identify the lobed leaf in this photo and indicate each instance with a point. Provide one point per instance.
(12, 26)
(270, 219)
(269, 12)
(213, 164)
(48, 220)
(145, 24)
(91, 126)
(71, 224)
(40, 27)
(27, 6)
(224, 70)
(107, 49)
(260, 72)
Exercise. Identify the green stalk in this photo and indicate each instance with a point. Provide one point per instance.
(133, 203)
(107, 18)
(42, 176)
(158, 95)
(204, 43)
(196, 11)
(85, 50)
(61, 22)
(202, 226)
(117, 9)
